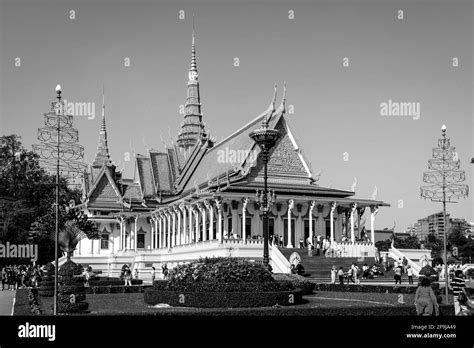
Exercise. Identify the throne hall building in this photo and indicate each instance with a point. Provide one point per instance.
(199, 198)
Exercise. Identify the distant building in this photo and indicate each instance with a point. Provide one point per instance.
(433, 223)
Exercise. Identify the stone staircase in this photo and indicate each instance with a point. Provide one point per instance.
(318, 268)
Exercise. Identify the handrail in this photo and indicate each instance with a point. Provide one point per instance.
(416, 267)
(280, 262)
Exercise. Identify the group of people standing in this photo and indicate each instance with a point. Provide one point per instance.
(352, 274)
(20, 276)
(321, 245)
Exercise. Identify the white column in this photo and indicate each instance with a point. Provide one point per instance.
(196, 221)
(191, 239)
(311, 207)
(178, 231)
(127, 240)
(291, 204)
(184, 232)
(202, 209)
(168, 223)
(173, 228)
(373, 211)
(244, 211)
(220, 233)
(331, 220)
(92, 246)
(210, 209)
(155, 221)
(121, 244)
(135, 234)
(353, 209)
(152, 228)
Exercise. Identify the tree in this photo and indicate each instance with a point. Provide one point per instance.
(456, 237)
(383, 245)
(74, 225)
(410, 242)
(27, 197)
(433, 243)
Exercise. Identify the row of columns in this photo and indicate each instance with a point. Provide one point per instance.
(178, 225)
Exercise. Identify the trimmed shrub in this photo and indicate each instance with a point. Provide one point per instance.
(112, 281)
(222, 299)
(46, 293)
(218, 270)
(71, 290)
(46, 285)
(67, 307)
(372, 288)
(119, 289)
(298, 281)
(281, 285)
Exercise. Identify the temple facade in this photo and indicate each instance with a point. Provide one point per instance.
(201, 198)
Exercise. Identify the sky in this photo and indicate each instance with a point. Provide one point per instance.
(341, 60)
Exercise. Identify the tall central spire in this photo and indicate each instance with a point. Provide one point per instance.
(102, 155)
(192, 127)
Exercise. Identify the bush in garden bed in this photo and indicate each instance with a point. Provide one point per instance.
(399, 289)
(280, 285)
(222, 299)
(71, 289)
(107, 282)
(218, 270)
(119, 289)
(67, 307)
(46, 285)
(298, 281)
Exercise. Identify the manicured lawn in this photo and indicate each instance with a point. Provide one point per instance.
(320, 303)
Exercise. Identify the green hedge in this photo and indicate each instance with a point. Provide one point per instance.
(71, 289)
(370, 288)
(298, 282)
(46, 292)
(112, 289)
(283, 285)
(222, 299)
(117, 282)
(78, 307)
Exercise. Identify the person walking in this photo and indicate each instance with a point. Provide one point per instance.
(281, 241)
(425, 299)
(128, 277)
(333, 274)
(310, 246)
(340, 274)
(457, 284)
(398, 275)
(152, 275)
(410, 274)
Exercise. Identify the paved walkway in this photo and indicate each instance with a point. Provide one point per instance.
(6, 302)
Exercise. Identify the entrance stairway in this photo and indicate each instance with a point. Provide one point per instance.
(318, 268)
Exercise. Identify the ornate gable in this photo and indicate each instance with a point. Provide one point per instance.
(285, 160)
(104, 191)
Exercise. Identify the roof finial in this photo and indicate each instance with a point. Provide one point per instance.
(102, 124)
(270, 110)
(193, 69)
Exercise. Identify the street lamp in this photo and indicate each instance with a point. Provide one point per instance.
(265, 139)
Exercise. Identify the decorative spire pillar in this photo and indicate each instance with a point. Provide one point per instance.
(102, 155)
(192, 127)
(291, 204)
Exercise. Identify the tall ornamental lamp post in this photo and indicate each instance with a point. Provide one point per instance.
(445, 177)
(265, 139)
(60, 154)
